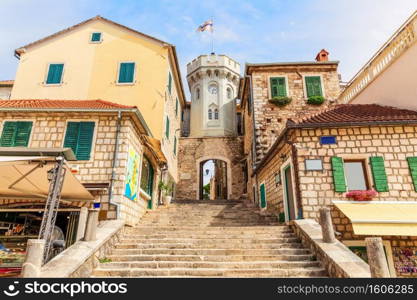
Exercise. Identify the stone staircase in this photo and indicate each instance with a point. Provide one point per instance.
(209, 239)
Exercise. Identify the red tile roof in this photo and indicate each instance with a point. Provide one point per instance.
(356, 114)
(6, 82)
(62, 104)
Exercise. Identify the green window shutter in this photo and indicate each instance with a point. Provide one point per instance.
(79, 137)
(338, 174)
(16, 134)
(167, 128)
(8, 134)
(169, 82)
(55, 73)
(175, 145)
(378, 173)
(412, 164)
(23, 134)
(176, 107)
(96, 37)
(313, 86)
(263, 195)
(126, 72)
(278, 87)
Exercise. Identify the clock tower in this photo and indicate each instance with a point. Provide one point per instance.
(213, 81)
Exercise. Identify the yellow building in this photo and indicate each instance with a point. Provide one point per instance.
(100, 59)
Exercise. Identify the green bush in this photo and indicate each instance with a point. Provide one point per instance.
(315, 100)
(280, 101)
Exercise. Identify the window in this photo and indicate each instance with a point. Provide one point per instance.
(176, 107)
(15, 134)
(55, 74)
(262, 193)
(229, 93)
(210, 114)
(96, 37)
(126, 72)
(197, 93)
(169, 82)
(167, 128)
(79, 137)
(313, 86)
(355, 173)
(175, 145)
(216, 114)
(278, 87)
(146, 180)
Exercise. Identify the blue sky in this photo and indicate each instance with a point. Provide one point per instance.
(248, 31)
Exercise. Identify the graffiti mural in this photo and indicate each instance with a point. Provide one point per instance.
(132, 175)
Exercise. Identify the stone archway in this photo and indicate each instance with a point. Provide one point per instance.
(198, 167)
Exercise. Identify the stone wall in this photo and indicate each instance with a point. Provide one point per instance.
(271, 119)
(48, 131)
(193, 151)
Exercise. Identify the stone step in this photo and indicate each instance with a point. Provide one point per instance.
(190, 235)
(206, 251)
(222, 229)
(223, 258)
(205, 240)
(297, 272)
(208, 246)
(210, 265)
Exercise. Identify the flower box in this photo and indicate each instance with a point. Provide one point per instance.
(280, 101)
(361, 195)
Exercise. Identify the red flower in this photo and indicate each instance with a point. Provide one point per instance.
(361, 195)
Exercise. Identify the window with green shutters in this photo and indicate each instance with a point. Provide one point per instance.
(175, 145)
(169, 82)
(126, 72)
(176, 107)
(79, 137)
(55, 74)
(378, 173)
(16, 134)
(96, 37)
(412, 164)
(262, 193)
(167, 128)
(338, 170)
(313, 86)
(278, 87)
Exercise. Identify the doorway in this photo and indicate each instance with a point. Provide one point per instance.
(289, 199)
(213, 180)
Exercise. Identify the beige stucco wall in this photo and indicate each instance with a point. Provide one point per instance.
(396, 85)
(5, 92)
(91, 71)
(48, 131)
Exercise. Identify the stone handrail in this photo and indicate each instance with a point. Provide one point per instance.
(336, 258)
(402, 39)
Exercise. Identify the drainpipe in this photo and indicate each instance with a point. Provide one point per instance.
(115, 158)
(254, 133)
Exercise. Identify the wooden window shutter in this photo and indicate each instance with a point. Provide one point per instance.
(175, 145)
(126, 72)
(16, 134)
(79, 137)
(55, 74)
(169, 82)
(313, 86)
(412, 164)
(378, 173)
(278, 87)
(176, 107)
(167, 128)
(8, 134)
(338, 174)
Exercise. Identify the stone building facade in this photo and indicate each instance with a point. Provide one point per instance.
(195, 151)
(263, 121)
(49, 123)
(361, 133)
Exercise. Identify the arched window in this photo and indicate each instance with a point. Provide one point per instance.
(210, 114)
(216, 114)
(229, 93)
(197, 94)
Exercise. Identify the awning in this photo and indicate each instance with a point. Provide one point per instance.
(154, 146)
(27, 178)
(381, 217)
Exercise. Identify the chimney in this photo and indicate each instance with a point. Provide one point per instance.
(323, 55)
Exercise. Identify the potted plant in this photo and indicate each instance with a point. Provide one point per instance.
(361, 195)
(315, 100)
(280, 101)
(166, 189)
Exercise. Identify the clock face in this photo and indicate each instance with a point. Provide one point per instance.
(212, 89)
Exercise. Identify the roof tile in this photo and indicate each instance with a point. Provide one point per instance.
(61, 104)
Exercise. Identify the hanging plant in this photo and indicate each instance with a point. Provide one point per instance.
(361, 195)
(315, 100)
(280, 101)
